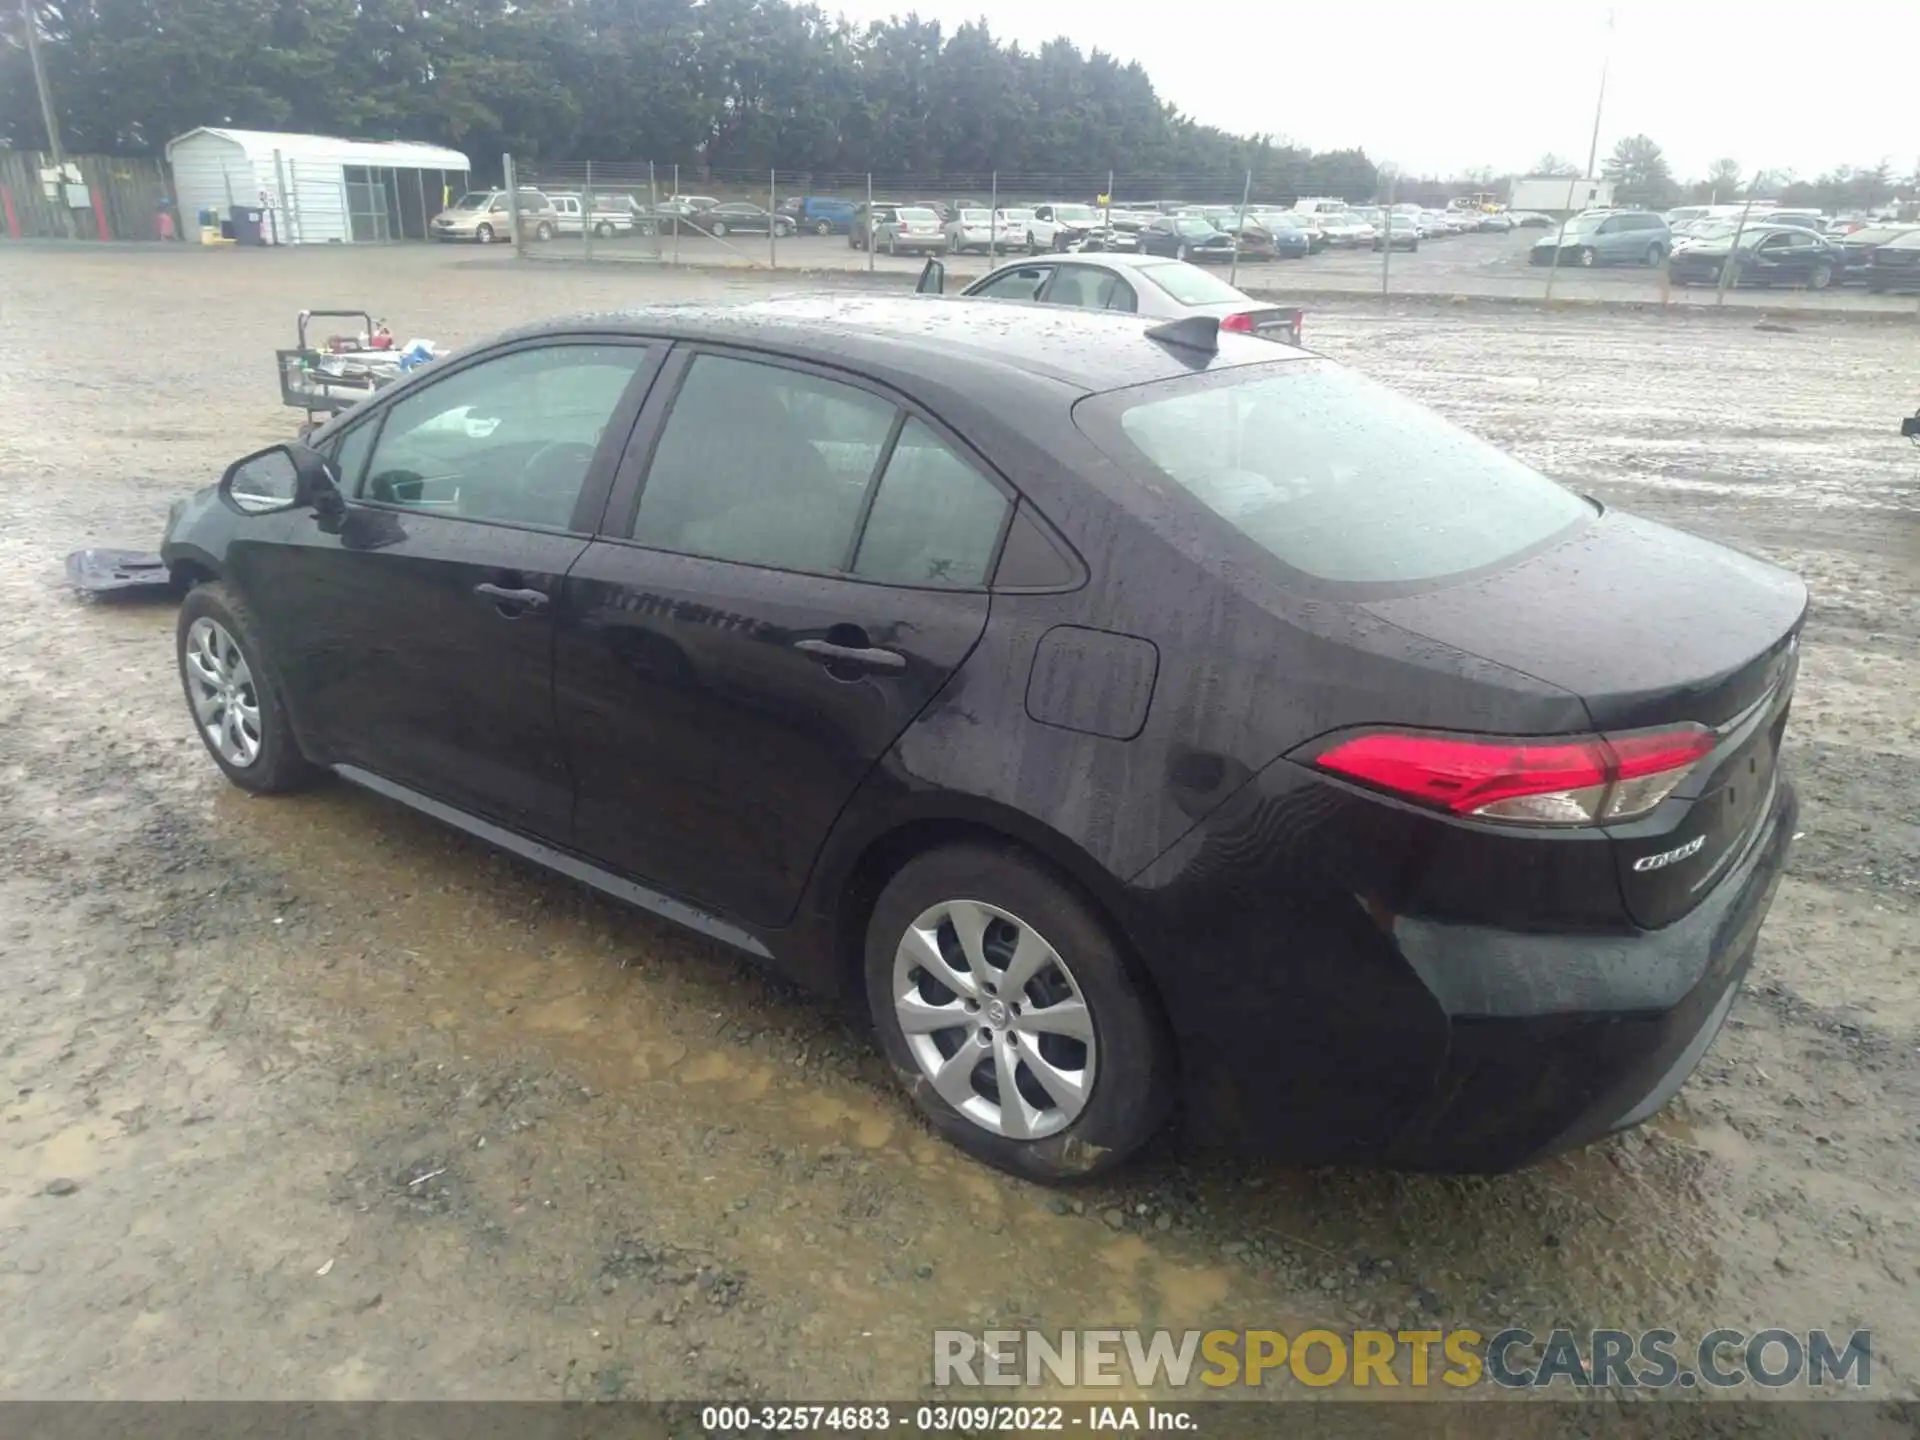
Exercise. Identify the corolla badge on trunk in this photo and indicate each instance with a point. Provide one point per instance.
(1669, 857)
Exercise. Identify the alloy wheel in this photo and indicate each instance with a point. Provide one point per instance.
(994, 1019)
(220, 683)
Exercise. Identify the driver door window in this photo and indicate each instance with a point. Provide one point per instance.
(508, 440)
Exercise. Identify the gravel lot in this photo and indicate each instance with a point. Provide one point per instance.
(347, 1106)
(1489, 266)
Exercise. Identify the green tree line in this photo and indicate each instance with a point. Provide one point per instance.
(725, 86)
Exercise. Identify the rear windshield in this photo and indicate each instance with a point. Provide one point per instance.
(1189, 284)
(918, 216)
(1338, 477)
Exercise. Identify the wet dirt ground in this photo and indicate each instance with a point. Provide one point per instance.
(311, 1097)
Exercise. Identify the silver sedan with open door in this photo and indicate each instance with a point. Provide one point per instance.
(1138, 284)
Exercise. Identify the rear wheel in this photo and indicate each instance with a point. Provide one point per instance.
(1180, 252)
(1010, 1016)
(1586, 257)
(719, 228)
(1821, 278)
(1656, 253)
(235, 702)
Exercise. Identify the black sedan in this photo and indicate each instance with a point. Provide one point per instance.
(740, 217)
(1138, 716)
(1765, 255)
(1186, 237)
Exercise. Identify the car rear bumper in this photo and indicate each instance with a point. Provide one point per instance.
(1313, 1025)
(1577, 1038)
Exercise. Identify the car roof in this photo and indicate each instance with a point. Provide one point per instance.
(951, 341)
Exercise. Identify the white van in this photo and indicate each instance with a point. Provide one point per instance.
(1319, 207)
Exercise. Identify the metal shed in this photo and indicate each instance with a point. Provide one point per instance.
(315, 188)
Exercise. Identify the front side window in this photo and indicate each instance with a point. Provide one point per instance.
(509, 439)
(762, 465)
(1337, 477)
(936, 520)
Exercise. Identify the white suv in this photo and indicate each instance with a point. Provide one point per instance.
(1056, 225)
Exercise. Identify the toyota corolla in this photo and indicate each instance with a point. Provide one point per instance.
(1136, 718)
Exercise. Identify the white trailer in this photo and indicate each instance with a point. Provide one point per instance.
(1556, 194)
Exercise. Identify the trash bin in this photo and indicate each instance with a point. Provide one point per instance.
(248, 222)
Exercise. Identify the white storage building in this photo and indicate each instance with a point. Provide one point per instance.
(315, 188)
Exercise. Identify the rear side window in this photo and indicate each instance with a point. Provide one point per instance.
(1335, 476)
(762, 465)
(935, 520)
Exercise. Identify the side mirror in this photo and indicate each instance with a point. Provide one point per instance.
(933, 279)
(282, 477)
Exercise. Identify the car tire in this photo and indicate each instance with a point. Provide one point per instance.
(543, 231)
(1656, 254)
(1033, 248)
(719, 229)
(1821, 277)
(483, 233)
(823, 227)
(1180, 252)
(1586, 257)
(604, 230)
(223, 664)
(1124, 1052)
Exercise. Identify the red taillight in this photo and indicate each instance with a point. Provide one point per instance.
(1241, 323)
(1541, 782)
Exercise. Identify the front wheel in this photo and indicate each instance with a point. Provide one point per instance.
(543, 231)
(1180, 252)
(484, 234)
(1010, 1015)
(235, 702)
(823, 227)
(719, 229)
(604, 230)
(1655, 254)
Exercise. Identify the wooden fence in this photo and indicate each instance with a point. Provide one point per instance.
(125, 196)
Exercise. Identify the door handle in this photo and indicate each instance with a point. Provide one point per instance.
(868, 657)
(506, 599)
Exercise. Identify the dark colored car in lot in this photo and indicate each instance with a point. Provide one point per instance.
(1856, 247)
(820, 214)
(1400, 231)
(1186, 237)
(741, 217)
(1896, 264)
(1765, 255)
(1138, 716)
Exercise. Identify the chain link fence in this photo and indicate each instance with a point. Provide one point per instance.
(1415, 240)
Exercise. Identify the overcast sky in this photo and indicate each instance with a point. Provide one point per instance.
(1446, 85)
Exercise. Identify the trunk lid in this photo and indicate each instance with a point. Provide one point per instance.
(1649, 627)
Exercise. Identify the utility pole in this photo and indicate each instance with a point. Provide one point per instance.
(1593, 154)
(32, 25)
